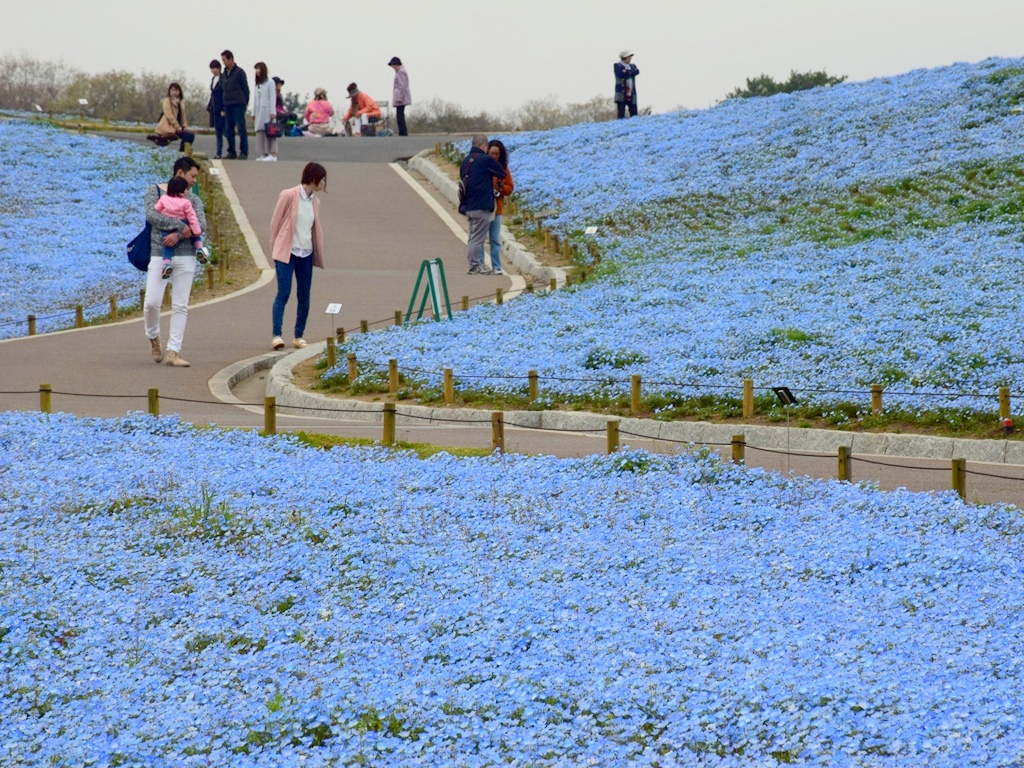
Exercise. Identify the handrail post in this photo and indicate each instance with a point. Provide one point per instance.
(748, 398)
(154, 401)
(389, 423)
(497, 431)
(332, 353)
(353, 368)
(960, 478)
(449, 386)
(46, 398)
(534, 388)
(393, 376)
(613, 435)
(739, 446)
(876, 399)
(843, 469)
(270, 415)
(634, 394)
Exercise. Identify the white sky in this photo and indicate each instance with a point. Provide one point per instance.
(496, 56)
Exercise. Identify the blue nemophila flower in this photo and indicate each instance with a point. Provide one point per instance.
(379, 608)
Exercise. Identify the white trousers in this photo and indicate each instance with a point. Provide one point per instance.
(181, 289)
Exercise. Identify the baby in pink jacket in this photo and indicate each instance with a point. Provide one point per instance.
(174, 203)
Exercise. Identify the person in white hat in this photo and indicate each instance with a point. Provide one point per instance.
(625, 83)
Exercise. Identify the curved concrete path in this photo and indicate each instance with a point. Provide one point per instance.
(378, 228)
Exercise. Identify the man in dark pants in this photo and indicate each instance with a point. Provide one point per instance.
(215, 106)
(236, 99)
(476, 172)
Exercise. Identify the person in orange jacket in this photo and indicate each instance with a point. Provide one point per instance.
(502, 189)
(362, 109)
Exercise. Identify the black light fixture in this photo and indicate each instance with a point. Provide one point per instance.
(786, 397)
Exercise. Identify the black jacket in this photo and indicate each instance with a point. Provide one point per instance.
(236, 87)
(477, 169)
(216, 102)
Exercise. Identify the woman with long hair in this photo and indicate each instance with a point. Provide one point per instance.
(502, 189)
(264, 112)
(173, 121)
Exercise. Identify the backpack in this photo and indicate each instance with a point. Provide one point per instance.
(139, 247)
(462, 186)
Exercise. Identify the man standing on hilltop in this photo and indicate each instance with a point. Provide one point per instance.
(625, 84)
(476, 172)
(236, 99)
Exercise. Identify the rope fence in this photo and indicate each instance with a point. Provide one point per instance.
(389, 415)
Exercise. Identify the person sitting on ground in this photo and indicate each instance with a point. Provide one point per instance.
(173, 123)
(362, 110)
(319, 113)
(174, 203)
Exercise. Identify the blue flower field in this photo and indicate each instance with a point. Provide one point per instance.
(70, 205)
(825, 240)
(361, 607)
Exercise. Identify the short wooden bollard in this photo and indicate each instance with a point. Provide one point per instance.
(389, 423)
(31, 325)
(154, 402)
(739, 449)
(449, 386)
(79, 317)
(353, 369)
(613, 435)
(534, 388)
(222, 267)
(364, 326)
(465, 303)
(876, 399)
(568, 279)
(552, 284)
(209, 278)
(634, 393)
(339, 335)
(393, 376)
(113, 307)
(748, 398)
(46, 398)
(1004, 403)
(529, 287)
(142, 298)
(843, 469)
(270, 415)
(497, 431)
(332, 353)
(398, 317)
(960, 478)
(499, 296)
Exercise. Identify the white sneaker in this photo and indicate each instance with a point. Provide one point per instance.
(271, 158)
(277, 343)
(260, 159)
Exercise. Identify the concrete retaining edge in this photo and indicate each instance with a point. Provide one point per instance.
(688, 434)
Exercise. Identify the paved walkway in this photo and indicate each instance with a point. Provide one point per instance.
(378, 229)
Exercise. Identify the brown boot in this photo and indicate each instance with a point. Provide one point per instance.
(158, 354)
(173, 358)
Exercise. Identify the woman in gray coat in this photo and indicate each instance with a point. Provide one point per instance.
(264, 110)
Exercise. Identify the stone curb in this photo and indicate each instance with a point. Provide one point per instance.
(512, 251)
(686, 434)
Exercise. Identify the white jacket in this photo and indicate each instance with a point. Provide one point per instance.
(264, 104)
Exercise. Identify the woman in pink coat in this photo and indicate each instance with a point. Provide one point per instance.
(297, 244)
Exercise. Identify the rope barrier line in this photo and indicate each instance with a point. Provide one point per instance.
(62, 313)
(855, 458)
(801, 454)
(996, 477)
(679, 442)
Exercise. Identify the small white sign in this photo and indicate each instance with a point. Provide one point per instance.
(333, 309)
(84, 102)
(215, 171)
(590, 230)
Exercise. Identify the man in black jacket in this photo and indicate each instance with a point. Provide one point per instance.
(236, 99)
(477, 170)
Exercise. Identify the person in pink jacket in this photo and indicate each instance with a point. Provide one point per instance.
(297, 245)
(319, 113)
(174, 203)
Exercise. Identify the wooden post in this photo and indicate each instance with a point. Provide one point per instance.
(339, 334)
(497, 431)
(79, 317)
(568, 279)
(393, 376)
(270, 415)
(613, 435)
(465, 303)
(113, 307)
(389, 423)
(209, 278)
(398, 317)
(634, 394)
(531, 377)
(552, 284)
(222, 267)
(449, 386)
(332, 353)
(142, 298)
(843, 471)
(353, 370)
(499, 296)
(529, 287)
(154, 402)
(876, 399)
(31, 325)
(364, 326)
(46, 398)
(748, 398)
(1004, 403)
(960, 478)
(739, 449)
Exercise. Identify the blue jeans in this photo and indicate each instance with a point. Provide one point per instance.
(494, 235)
(303, 271)
(234, 116)
(218, 121)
